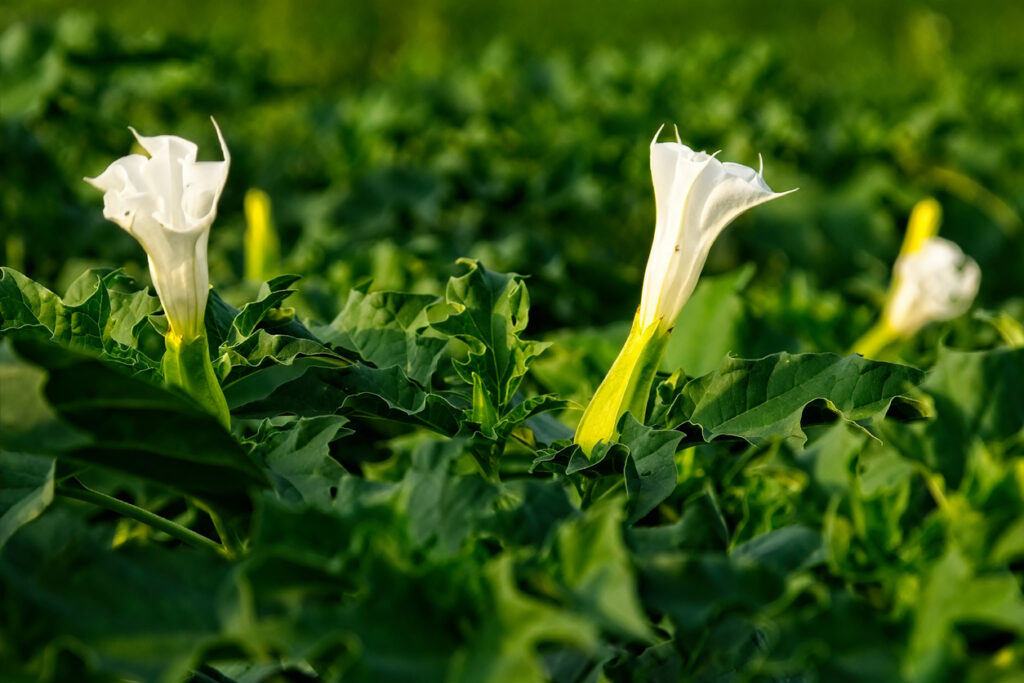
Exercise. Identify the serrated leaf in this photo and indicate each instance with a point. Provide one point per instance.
(95, 314)
(534, 407)
(260, 347)
(384, 393)
(764, 399)
(386, 329)
(270, 297)
(26, 303)
(299, 454)
(650, 468)
(488, 311)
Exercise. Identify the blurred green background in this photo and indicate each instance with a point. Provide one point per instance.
(394, 137)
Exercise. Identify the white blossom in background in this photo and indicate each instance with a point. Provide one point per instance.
(937, 281)
(167, 202)
(696, 197)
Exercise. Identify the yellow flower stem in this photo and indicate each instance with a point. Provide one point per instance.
(925, 218)
(187, 365)
(875, 340)
(625, 388)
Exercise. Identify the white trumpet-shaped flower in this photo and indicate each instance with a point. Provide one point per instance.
(932, 280)
(167, 202)
(696, 197)
(935, 282)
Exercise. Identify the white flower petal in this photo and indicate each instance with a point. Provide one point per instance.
(168, 202)
(696, 197)
(935, 282)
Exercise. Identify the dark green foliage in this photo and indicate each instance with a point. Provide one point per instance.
(399, 498)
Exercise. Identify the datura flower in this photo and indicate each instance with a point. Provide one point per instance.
(167, 202)
(933, 280)
(696, 196)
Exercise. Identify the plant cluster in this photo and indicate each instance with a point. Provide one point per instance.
(385, 482)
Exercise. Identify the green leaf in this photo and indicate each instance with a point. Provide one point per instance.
(388, 329)
(445, 498)
(261, 335)
(99, 313)
(26, 489)
(954, 594)
(299, 455)
(595, 566)
(976, 400)
(262, 347)
(528, 411)
(978, 393)
(126, 424)
(503, 648)
(692, 589)
(271, 295)
(27, 421)
(527, 511)
(488, 311)
(26, 303)
(382, 393)
(650, 467)
(483, 411)
(764, 399)
(701, 527)
(786, 550)
(143, 612)
(978, 397)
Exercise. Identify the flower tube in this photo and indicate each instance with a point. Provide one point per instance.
(696, 197)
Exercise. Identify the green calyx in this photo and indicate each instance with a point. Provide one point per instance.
(187, 365)
(625, 388)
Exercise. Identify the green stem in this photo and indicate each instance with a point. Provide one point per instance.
(228, 546)
(140, 515)
(186, 364)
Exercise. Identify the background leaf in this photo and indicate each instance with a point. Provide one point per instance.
(129, 425)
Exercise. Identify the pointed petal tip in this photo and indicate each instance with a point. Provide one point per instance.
(220, 138)
(655, 140)
(678, 139)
